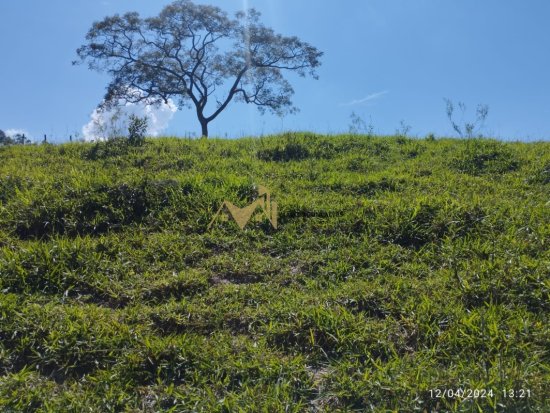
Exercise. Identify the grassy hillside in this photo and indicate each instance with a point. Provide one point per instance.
(400, 267)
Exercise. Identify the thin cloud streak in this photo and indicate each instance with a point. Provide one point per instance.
(368, 98)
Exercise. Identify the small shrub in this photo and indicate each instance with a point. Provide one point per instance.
(107, 149)
(136, 130)
(358, 125)
(467, 129)
(402, 132)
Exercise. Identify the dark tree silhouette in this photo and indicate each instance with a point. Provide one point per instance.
(17, 139)
(4, 139)
(199, 56)
(21, 139)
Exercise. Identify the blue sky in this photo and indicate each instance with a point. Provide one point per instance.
(386, 60)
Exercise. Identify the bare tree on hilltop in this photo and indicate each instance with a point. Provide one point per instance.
(199, 56)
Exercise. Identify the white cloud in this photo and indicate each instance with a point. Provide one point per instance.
(114, 122)
(367, 98)
(12, 132)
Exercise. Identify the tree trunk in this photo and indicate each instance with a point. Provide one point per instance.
(204, 127)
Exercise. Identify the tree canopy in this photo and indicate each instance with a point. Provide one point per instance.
(198, 56)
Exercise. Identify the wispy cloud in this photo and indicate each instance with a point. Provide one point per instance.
(367, 98)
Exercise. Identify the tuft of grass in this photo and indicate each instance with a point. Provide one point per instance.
(484, 156)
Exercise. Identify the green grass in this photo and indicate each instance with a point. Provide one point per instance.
(400, 266)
